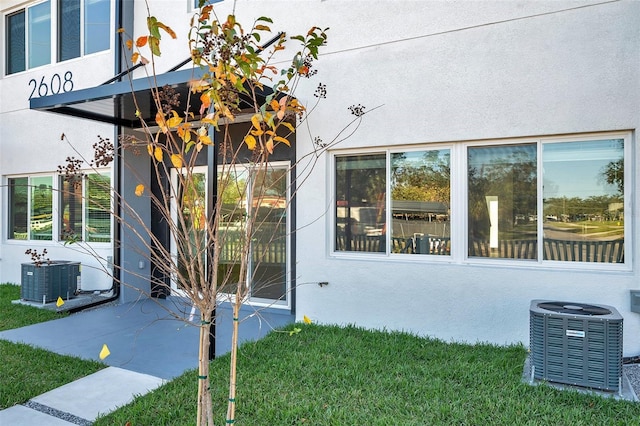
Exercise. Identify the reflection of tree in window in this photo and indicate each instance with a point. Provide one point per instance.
(420, 197)
(360, 202)
(506, 176)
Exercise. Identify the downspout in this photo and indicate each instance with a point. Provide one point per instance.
(117, 165)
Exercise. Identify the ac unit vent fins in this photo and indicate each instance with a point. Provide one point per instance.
(576, 344)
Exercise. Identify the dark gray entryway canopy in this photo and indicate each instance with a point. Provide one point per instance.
(114, 103)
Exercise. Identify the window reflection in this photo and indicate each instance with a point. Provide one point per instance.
(502, 184)
(583, 201)
(361, 203)
(420, 202)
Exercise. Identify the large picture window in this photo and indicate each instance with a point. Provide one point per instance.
(543, 200)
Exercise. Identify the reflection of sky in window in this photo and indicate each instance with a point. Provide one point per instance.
(575, 169)
(418, 158)
(503, 154)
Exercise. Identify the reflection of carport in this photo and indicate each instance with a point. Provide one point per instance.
(419, 208)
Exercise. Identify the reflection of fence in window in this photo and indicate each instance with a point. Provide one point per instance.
(611, 251)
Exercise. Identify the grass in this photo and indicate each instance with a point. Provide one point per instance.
(25, 371)
(349, 376)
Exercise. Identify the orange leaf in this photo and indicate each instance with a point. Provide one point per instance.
(139, 190)
(141, 41)
(129, 44)
(270, 145)
(275, 105)
(134, 57)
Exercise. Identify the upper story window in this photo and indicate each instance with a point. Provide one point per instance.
(81, 27)
(543, 200)
(196, 4)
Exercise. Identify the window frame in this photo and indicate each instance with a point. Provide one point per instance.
(459, 203)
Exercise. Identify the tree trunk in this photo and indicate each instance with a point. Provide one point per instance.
(205, 407)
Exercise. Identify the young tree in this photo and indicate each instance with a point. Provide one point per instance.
(248, 113)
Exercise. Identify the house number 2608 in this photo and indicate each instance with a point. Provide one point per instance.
(54, 86)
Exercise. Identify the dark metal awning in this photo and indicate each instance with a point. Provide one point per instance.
(114, 103)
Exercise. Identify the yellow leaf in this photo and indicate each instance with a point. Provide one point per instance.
(150, 149)
(174, 121)
(157, 153)
(205, 139)
(250, 141)
(176, 160)
(129, 44)
(306, 319)
(104, 352)
(255, 120)
(134, 57)
(59, 302)
(288, 126)
(283, 140)
(269, 145)
(139, 190)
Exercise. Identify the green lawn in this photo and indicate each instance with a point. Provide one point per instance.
(25, 371)
(329, 376)
(349, 376)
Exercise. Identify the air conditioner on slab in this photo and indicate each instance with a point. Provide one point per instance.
(576, 344)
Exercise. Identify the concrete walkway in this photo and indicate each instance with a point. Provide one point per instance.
(149, 345)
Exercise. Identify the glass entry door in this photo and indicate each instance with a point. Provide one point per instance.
(267, 207)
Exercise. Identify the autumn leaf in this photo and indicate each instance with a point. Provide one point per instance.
(255, 120)
(134, 57)
(104, 352)
(176, 160)
(167, 29)
(306, 319)
(157, 153)
(288, 126)
(154, 44)
(283, 140)
(269, 145)
(250, 141)
(139, 190)
(141, 41)
(129, 44)
(174, 121)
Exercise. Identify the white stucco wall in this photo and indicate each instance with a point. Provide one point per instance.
(30, 143)
(439, 72)
(454, 72)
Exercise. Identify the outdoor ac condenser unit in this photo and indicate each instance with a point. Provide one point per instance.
(576, 344)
